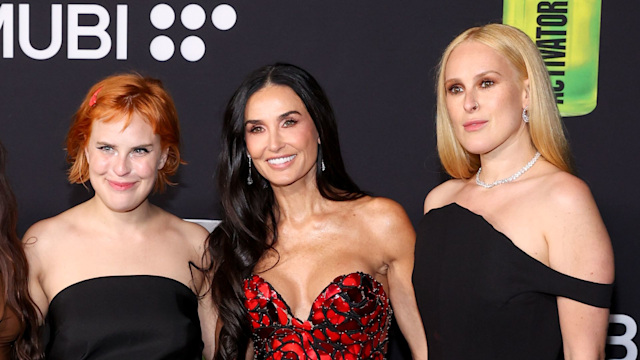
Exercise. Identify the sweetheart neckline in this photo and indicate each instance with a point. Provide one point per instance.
(335, 281)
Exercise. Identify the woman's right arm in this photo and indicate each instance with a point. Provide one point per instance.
(33, 248)
(442, 194)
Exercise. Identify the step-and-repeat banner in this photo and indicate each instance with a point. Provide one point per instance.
(376, 61)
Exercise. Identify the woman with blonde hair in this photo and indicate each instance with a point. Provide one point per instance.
(513, 260)
(115, 276)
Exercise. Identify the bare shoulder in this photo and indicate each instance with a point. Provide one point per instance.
(442, 194)
(194, 233)
(567, 193)
(184, 232)
(42, 235)
(579, 244)
(384, 211)
(46, 240)
(385, 219)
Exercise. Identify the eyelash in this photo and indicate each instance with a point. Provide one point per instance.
(290, 121)
(286, 123)
(136, 151)
(140, 151)
(454, 90)
(255, 129)
(484, 84)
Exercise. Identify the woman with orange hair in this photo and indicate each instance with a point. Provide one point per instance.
(18, 315)
(117, 277)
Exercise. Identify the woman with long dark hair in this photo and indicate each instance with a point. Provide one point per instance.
(18, 315)
(305, 264)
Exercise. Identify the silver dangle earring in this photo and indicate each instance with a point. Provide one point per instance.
(525, 114)
(249, 179)
(322, 167)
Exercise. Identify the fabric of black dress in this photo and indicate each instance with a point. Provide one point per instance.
(124, 317)
(482, 297)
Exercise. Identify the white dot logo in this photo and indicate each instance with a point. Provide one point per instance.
(192, 48)
(162, 16)
(224, 17)
(161, 48)
(193, 17)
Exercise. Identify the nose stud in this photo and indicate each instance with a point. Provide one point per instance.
(475, 106)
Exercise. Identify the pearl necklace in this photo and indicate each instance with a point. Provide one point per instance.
(510, 178)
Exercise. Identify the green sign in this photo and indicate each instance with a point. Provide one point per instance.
(567, 34)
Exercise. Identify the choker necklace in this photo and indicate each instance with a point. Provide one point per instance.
(510, 178)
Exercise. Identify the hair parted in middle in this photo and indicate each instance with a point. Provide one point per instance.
(545, 125)
(249, 225)
(121, 96)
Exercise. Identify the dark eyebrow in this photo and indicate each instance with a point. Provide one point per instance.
(289, 113)
(282, 116)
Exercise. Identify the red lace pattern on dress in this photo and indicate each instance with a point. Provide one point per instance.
(349, 320)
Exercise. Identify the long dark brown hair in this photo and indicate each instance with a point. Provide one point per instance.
(249, 223)
(14, 273)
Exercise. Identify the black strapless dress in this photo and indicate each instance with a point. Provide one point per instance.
(124, 317)
(349, 320)
(482, 297)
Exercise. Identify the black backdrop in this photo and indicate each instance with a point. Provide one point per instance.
(376, 61)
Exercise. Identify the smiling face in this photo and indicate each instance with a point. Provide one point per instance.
(485, 97)
(281, 136)
(123, 162)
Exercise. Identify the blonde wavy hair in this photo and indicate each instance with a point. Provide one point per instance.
(545, 123)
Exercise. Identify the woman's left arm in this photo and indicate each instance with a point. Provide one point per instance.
(579, 246)
(203, 276)
(398, 238)
(208, 319)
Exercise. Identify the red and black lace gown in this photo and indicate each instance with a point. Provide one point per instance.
(350, 320)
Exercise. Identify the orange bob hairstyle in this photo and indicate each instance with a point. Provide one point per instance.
(117, 97)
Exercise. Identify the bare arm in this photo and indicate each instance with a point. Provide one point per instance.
(399, 239)
(206, 310)
(580, 247)
(32, 247)
(208, 319)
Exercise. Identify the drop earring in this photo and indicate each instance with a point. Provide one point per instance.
(525, 114)
(322, 167)
(249, 179)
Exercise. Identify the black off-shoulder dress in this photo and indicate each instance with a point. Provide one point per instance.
(482, 297)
